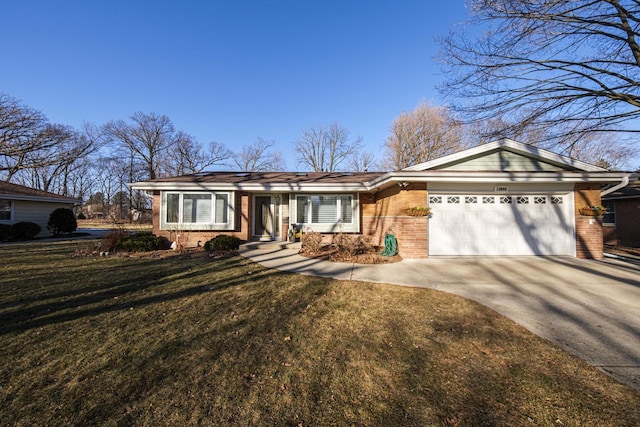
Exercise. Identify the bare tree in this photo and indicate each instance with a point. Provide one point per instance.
(147, 137)
(553, 64)
(50, 168)
(421, 135)
(363, 161)
(186, 156)
(257, 157)
(25, 134)
(324, 149)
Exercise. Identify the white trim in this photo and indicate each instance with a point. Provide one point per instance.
(515, 146)
(335, 227)
(623, 183)
(200, 226)
(391, 178)
(40, 199)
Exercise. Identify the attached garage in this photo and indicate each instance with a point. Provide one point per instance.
(501, 224)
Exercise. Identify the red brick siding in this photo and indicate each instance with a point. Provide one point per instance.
(589, 238)
(385, 212)
(589, 233)
(628, 222)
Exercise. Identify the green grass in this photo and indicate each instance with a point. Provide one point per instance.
(189, 340)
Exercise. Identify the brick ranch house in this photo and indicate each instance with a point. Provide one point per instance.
(501, 198)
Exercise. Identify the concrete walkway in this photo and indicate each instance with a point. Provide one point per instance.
(589, 308)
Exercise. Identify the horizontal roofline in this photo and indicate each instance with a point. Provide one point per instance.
(389, 179)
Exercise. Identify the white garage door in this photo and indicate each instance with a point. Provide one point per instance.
(501, 225)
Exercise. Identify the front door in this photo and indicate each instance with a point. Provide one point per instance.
(266, 217)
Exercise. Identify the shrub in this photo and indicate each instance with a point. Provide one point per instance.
(5, 232)
(223, 242)
(25, 230)
(81, 216)
(351, 245)
(62, 220)
(112, 239)
(311, 242)
(142, 242)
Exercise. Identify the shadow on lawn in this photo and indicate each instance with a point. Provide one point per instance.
(121, 291)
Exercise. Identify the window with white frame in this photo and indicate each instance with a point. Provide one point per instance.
(5, 210)
(324, 212)
(197, 210)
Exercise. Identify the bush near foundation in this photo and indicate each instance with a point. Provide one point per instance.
(61, 221)
(142, 241)
(25, 230)
(223, 242)
(311, 242)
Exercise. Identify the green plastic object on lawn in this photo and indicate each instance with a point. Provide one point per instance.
(390, 245)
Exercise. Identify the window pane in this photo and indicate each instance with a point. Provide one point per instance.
(222, 210)
(347, 209)
(324, 209)
(173, 204)
(196, 208)
(302, 215)
(5, 210)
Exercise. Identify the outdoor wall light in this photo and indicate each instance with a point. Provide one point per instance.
(403, 184)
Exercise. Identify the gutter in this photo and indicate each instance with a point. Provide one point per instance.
(623, 183)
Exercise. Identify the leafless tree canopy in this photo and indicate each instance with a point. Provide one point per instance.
(570, 67)
(421, 135)
(147, 137)
(324, 149)
(258, 157)
(187, 156)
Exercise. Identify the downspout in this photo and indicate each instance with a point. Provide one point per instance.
(623, 183)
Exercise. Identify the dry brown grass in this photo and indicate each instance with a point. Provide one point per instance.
(179, 340)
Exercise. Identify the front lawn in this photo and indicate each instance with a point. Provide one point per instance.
(192, 340)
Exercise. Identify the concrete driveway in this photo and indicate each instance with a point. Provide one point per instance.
(589, 308)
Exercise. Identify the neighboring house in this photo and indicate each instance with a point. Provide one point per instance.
(501, 198)
(24, 204)
(622, 220)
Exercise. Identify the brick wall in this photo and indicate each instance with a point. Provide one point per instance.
(589, 233)
(385, 212)
(628, 222)
(589, 238)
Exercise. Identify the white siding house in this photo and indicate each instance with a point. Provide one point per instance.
(23, 204)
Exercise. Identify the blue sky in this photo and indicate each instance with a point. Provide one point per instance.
(227, 71)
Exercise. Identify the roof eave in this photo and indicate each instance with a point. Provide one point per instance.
(40, 199)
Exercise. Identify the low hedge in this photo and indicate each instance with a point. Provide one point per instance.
(24, 230)
(142, 242)
(223, 242)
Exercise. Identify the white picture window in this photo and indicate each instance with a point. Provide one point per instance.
(195, 210)
(326, 212)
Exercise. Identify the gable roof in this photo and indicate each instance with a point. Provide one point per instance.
(539, 158)
(20, 192)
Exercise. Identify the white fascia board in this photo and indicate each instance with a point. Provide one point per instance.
(495, 177)
(277, 187)
(515, 146)
(40, 199)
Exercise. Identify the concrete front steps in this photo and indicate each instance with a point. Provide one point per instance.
(273, 245)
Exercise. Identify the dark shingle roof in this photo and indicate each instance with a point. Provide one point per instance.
(630, 191)
(273, 177)
(9, 190)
